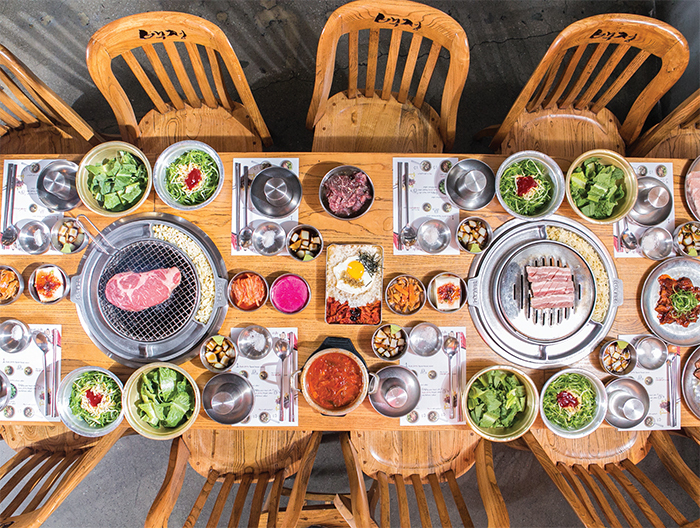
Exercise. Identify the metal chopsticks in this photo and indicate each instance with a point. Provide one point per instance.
(399, 190)
(292, 394)
(238, 204)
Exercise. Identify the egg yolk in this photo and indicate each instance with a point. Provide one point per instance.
(356, 269)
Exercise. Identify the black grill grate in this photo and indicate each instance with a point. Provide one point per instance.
(158, 322)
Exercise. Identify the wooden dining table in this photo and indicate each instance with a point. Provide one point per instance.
(374, 227)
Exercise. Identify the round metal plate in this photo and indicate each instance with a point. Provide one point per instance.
(671, 333)
(691, 384)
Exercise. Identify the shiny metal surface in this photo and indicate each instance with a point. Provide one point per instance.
(228, 398)
(14, 336)
(269, 239)
(425, 339)
(470, 185)
(275, 192)
(623, 410)
(656, 243)
(398, 391)
(254, 342)
(34, 237)
(651, 352)
(345, 169)
(56, 186)
(691, 383)
(653, 204)
(433, 236)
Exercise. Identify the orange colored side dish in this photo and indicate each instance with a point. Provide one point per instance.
(334, 381)
(248, 291)
(405, 295)
(9, 285)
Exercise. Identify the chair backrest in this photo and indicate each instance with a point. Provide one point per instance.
(677, 136)
(172, 34)
(25, 101)
(571, 75)
(590, 481)
(397, 17)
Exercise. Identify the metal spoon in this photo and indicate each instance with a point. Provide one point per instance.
(627, 237)
(9, 235)
(450, 348)
(408, 233)
(42, 341)
(246, 235)
(282, 350)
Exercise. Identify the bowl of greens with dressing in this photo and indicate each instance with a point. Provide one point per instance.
(530, 185)
(573, 403)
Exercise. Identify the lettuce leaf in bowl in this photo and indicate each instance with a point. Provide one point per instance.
(166, 398)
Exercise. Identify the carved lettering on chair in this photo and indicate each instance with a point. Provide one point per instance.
(609, 35)
(381, 18)
(161, 35)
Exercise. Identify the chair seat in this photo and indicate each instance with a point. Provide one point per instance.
(42, 139)
(222, 130)
(55, 437)
(565, 133)
(372, 124)
(680, 143)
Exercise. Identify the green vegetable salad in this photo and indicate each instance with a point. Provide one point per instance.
(683, 301)
(96, 398)
(167, 398)
(526, 187)
(495, 399)
(570, 401)
(118, 183)
(597, 188)
(192, 178)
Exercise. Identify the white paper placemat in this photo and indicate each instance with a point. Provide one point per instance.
(255, 165)
(264, 375)
(427, 199)
(433, 407)
(25, 372)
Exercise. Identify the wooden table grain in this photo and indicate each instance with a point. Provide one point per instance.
(374, 227)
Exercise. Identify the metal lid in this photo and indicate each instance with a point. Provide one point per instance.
(275, 192)
(470, 185)
(653, 203)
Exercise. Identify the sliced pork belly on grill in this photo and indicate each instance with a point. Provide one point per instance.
(559, 300)
(137, 291)
(551, 287)
(545, 273)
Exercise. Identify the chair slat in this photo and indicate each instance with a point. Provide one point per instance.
(239, 501)
(373, 496)
(602, 76)
(459, 500)
(224, 97)
(385, 510)
(372, 55)
(21, 473)
(655, 492)
(301, 482)
(200, 74)
(580, 491)
(3, 129)
(402, 499)
(274, 499)
(258, 499)
(146, 83)
(31, 484)
(439, 500)
(544, 87)
(427, 74)
(353, 66)
(181, 73)
(9, 119)
(551, 99)
(24, 113)
(588, 69)
(617, 85)
(675, 465)
(163, 76)
(409, 68)
(220, 502)
(598, 496)
(614, 492)
(392, 58)
(55, 475)
(201, 499)
(633, 492)
(488, 486)
(421, 500)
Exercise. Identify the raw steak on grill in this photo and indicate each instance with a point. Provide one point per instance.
(347, 193)
(137, 291)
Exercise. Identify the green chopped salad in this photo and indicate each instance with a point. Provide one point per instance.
(95, 398)
(596, 188)
(166, 398)
(570, 401)
(192, 178)
(495, 399)
(118, 183)
(526, 187)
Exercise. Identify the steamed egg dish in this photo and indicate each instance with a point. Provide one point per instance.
(352, 276)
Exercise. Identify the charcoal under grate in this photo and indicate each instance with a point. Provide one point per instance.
(158, 322)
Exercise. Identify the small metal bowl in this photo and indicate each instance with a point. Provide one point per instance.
(676, 244)
(632, 363)
(228, 398)
(20, 289)
(651, 352)
(313, 233)
(241, 275)
(14, 336)
(248, 338)
(402, 335)
(621, 389)
(275, 296)
(645, 212)
(656, 243)
(434, 236)
(34, 237)
(470, 185)
(487, 227)
(203, 350)
(275, 192)
(31, 285)
(348, 170)
(392, 306)
(56, 187)
(60, 247)
(425, 339)
(268, 239)
(432, 292)
(397, 392)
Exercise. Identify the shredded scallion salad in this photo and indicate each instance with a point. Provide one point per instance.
(96, 398)
(573, 417)
(537, 198)
(178, 170)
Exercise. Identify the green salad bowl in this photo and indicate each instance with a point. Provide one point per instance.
(523, 420)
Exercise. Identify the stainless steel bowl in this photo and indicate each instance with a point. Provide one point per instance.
(20, 289)
(58, 246)
(489, 234)
(656, 243)
(397, 392)
(651, 352)
(625, 389)
(677, 246)
(425, 339)
(345, 169)
(402, 335)
(254, 342)
(432, 292)
(228, 398)
(654, 202)
(203, 350)
(632, 363)
(269, 239)
(434, 236)
(274, 295)
(313, 232)
(275, 192)
(422, 295)
(34, 237)
(231, 300)
(470, 185)
(31, 285)
(14, 336)
(168, 156)
(56, 187)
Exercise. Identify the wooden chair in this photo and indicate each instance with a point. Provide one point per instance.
(417, 458)
(39, 477)
(217, 120)
(562, 111)
(575, 465)
(677, 136)
(33, 119)
(382, 120)
(232, 456)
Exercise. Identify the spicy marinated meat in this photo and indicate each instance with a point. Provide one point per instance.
(347, 193)
(679, 301)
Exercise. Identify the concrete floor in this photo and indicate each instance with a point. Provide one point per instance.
(276, 43)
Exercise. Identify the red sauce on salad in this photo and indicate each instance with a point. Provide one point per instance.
(334, 380)
(94, 399)
(193, 178)
(525, 184)
(566, 399)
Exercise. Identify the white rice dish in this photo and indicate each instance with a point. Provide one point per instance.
(367, 289)
(201, 264)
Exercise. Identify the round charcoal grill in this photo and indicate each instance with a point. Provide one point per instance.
(165, 319)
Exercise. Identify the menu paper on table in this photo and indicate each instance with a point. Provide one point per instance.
(255, 165)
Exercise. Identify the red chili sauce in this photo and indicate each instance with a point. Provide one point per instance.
(566, 399)
(47, 284)
(334, 380)
(525, 184)
(94, 399)
(193, 178)
(448, 293)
